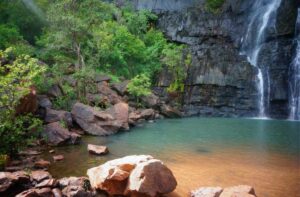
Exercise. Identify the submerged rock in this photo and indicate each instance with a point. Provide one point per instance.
(58, 157)
(207, 192)
(239, 191)
(97, 150)
(133, 175)
(236, 191)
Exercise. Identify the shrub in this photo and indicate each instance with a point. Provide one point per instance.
(16, 78)
(139, 86)
(214, 5)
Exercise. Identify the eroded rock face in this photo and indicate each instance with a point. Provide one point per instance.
(101, 123)
(220, 81)
(133, 175)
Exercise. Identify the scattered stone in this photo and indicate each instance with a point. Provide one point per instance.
(47, 183)
(43, 192)
(239, 191)
(40, 175)
(41, 164)
(58, 157)
(133, 175)
(51, 151)
(97, 150)
(58, 116)
(75, 186)
(29, 153)
(207, 192)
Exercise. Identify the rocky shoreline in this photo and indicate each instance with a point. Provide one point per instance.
(136, 175)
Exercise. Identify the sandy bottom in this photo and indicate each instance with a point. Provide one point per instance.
(271, 176)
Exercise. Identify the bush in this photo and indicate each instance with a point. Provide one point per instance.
(139, 86)
(16, 78)
(214, 5)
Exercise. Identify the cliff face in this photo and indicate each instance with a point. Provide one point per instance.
(220, 81)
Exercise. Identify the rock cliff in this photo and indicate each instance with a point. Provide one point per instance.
(220, 81)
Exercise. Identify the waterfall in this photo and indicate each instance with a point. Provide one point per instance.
(295, 77)
(262, 14)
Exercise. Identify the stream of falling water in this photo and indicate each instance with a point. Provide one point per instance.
(263, 13)
(295, 77)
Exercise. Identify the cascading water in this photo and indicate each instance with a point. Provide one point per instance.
(295, 77)
(263, 13)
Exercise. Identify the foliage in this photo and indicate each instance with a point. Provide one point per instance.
(8, 35)
(23, 14)
(15, 82)
(177, 64)
(139, 86)
(214, 5)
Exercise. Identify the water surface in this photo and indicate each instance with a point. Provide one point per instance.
(205, 152)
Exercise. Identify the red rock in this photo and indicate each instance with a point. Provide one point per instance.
(42, 164)
(56, 134)
(40, 175)
(58, 116)
(97, 150)
(133, 176)
(44, 192)
(47, 183)
(170, 112)
(120, 113)
(147, 114)
(56, 192)
(58, 157)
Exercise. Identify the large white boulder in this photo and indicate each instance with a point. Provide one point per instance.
(132, 176)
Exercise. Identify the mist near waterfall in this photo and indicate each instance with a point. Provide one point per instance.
(30, 4)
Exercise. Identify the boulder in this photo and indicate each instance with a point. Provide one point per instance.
(55, 91)
(151, 101)
(207, 192)
(58, 116)
(56, 135)
(106, 93)
(9, 180)
(40, 175)
(101, 78)
(6, 181)
(41, 164)
(75, 187)
(44, 101)
(120, 113)
(95, 122)
(148, 114)
(239, 191)
(133, 175)
(56, 192)
(120, 87)
(134, 117)
(43, 192)
(170, 112)
(47, 183)
(97, 150)
(58, 157)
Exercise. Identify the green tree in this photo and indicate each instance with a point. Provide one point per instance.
(16, 76)
(139, 86)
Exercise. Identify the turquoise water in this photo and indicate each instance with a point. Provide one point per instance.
(234, 151)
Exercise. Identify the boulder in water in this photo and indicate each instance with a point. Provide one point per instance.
(97, 150)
